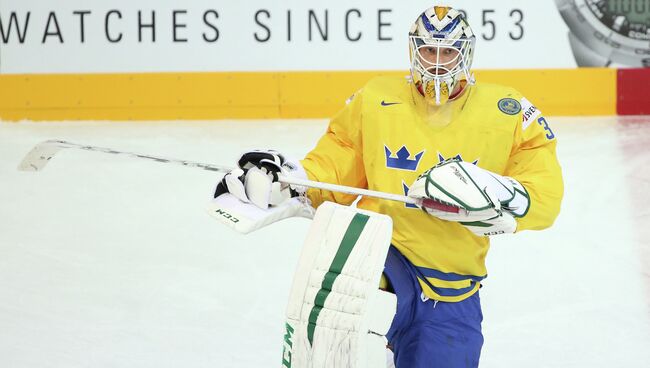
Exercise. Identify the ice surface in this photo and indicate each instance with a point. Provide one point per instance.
(108, 261)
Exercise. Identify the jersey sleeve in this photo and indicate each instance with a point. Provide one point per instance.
(533, 162)
(337, 158)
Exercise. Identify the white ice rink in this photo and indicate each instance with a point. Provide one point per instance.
(108, 261)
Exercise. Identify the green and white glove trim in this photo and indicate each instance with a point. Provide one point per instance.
(519, 205)
(505, 223)
(481, 198)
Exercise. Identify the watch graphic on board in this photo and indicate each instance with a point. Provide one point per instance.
(608, 32)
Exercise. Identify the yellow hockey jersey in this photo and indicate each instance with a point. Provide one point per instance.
(379, 141)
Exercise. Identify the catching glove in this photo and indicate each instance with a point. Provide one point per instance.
(485, 202)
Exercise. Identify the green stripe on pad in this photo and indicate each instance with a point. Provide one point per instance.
(350, 238)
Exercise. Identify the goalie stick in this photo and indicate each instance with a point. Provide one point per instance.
(43, 152)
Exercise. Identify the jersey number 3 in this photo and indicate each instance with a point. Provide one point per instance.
(549, 133)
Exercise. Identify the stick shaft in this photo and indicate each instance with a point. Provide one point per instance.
(42, 153)
(346, 189)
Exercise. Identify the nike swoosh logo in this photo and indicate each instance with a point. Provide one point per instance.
(384, 103)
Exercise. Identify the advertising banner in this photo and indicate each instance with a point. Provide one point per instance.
(91, 36)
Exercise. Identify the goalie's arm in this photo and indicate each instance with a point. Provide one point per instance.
(533, 162)
(337, 158)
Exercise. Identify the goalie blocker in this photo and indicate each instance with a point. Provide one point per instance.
(337, 316)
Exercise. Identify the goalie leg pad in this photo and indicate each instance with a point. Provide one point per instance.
(336, 314)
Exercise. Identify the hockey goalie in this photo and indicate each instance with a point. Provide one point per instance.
(477, 160)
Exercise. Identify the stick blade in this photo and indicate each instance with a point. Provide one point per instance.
(40, 155)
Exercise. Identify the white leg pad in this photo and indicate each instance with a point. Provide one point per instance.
(337, 316)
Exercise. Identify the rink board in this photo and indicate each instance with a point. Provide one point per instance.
(266, 95)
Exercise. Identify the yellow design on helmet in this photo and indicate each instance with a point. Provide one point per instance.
(441, 11)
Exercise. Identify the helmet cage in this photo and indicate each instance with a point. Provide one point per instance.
(442, 63)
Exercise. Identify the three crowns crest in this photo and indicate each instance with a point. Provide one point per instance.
(401, 160)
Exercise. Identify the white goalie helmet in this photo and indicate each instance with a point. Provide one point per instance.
(441, 45)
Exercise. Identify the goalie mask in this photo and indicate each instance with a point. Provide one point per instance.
(441, 46)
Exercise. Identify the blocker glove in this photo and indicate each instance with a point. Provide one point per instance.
(484, 202)
(256, 179)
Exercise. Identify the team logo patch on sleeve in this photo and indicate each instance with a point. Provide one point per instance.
(509, 106)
